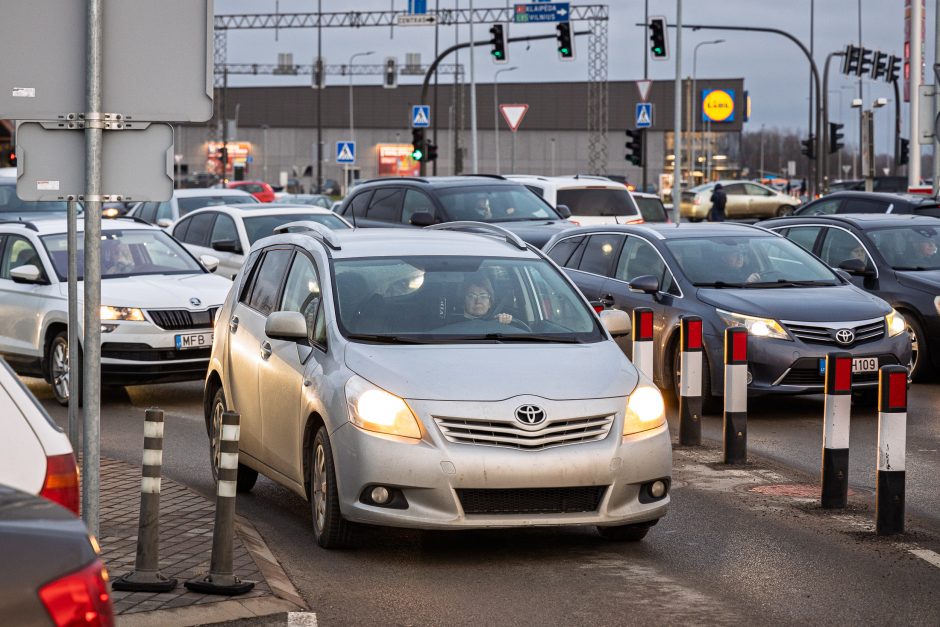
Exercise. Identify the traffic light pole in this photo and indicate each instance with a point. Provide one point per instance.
(823, 147)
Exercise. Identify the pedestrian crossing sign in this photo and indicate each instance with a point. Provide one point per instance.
(420, 116)
(644, 114)
(345, 152)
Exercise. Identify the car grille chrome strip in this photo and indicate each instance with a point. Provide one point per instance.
(177, 319)
(825, 332)
(507, 434)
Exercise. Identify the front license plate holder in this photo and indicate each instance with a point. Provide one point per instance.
(188, 341)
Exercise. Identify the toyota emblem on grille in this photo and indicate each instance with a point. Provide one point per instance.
(845, 336)
(195, 302)
(530, 415)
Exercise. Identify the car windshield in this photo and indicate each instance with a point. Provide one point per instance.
(263, 226)
(316, 201)
(448, 299)
(908, 248)
(598, 202)
(126, 253)
(651, 209)
(192, 203)
(748, 261)
(10, 203)
(496, 203)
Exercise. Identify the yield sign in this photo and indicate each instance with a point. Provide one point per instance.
(513, 114)
(644, 88)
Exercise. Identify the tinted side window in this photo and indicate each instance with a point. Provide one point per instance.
(736, 189)
(639, 258)
(756, 190)
(19, 252)
(147, 212)
(385, 205)
(267, 281)
(865, 205)
(805, 236)
(822, 208)
(357, 206)
(600, 252)
(199, 228)
(224, 229)
(302, 291)
(561, 252)
(839, 246)
(180, 228)
(933, 211)
(416, 202)
(164, 211)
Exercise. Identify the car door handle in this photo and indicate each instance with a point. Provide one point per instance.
(265, 350)
(233, 325)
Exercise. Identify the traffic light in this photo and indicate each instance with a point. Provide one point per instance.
(658, 43)
(318, 78)
(835, 137)
(498, 41)
(893, 69)
(809, 147)
(864, 62)
(390, 78)
(432, 152)
(565, 43)
(850, 60)
(417, 144)
(879, 65)
(634, 146)
(903, 151)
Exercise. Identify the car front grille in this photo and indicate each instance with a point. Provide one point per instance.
(531, 500)
(143, 352)
(508, 434)
(178, 319)
(825, 333)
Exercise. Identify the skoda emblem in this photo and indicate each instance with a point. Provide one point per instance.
(530, 415)
(845, 336)
(195, 302)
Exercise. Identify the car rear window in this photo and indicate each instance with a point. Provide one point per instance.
(263, 226)
(9, 202)
(598, 202)
(187, 205)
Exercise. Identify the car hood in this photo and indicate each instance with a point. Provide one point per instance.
(839, 303)
(537, 232)
(928, 280)
(162, 291)
(495, 372)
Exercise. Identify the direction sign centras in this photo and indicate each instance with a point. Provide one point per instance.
(513, 114)
(542, 12)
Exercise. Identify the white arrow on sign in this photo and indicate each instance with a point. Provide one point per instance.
(644, 88)
(513, 114)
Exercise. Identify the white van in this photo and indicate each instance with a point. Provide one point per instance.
(591, 199)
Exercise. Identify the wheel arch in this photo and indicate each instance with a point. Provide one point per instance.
(312, 425)
(52, 329)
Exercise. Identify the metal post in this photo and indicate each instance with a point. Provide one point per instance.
(91, 370)
(760, 170)
(642, 330)
(691, 356)
(646, 75)
(553, 156)
(223, 153)
(820, 155)
(837, 413)
(822, 141)
(475, 162)
(917, 60)
(437, 36)
(75, 328)
(496, 110)
(935, 112)
(892, 442)
(677, 120)
(695, 107)
(319, 150)
(352, 132)
(868, 149)
(735, 414)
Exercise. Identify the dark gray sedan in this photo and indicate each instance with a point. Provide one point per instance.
(796, 308)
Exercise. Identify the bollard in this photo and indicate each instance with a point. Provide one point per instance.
(690, 381)
(221, 578)
(837, 412)
(735, 414)
(643, 341)
(892, 440)
(146, 576)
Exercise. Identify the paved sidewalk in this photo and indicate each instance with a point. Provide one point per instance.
(186, 521)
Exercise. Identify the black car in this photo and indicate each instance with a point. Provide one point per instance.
(795, 308)
(422, 201)
(50, 573)
(880, 184)
(892, 256)
(871, 202)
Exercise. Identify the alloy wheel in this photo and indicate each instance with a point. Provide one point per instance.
(319, 486)
(914, 348)
(59, 369)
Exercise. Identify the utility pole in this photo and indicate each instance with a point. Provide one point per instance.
(917, 61)
(677, 120)
(809, 125)
(936, 111)
(475, 160)
(646, 75)
(319, 150)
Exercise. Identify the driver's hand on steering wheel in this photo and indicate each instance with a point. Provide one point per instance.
(504, 318)
(753, 277)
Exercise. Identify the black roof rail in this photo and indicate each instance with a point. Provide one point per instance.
(313, 229)
(471, 226)
(28, 225)
(488, 176)
(388, 179)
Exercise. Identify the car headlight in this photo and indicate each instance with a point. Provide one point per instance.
(121, 313)
(896, 323)
(936, 304)
(757, 327)
(373, 409)
(645, 410)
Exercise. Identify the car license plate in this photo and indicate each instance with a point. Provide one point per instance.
(859, 364)
(193, 340)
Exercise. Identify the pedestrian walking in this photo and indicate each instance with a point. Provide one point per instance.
(719, 200)
(802, 189)
(789, 188)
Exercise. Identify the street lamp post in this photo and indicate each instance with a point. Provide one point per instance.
(496, 110)
(264, 149)
(695, 99)
(352, 131)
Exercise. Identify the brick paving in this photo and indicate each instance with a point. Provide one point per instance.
(186, 521)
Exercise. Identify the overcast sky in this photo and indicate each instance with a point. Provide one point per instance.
(775, 72)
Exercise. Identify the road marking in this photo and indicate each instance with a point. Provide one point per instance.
(301, 619)
(928, 556)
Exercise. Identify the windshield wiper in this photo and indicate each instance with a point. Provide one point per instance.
(530, 337)
(792, 283)
(384, 339)
(722, 284)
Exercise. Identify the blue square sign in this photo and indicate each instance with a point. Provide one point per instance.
(420, 116)
(644, 114)
(345, 152)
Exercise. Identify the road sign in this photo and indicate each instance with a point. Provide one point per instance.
(415, 20)
(420, 116)
(644, 114)
(143, 78)
(345, 152)
(513, 114)
(542, 12)
(718, 105)
(136, 163)
(644, 88)
(418, 6)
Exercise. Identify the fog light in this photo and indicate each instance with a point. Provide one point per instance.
(657, 489)
(380, 495)
(750, 377)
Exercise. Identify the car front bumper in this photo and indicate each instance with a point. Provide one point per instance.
(136, 353)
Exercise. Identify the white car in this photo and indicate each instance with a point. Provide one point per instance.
(591, 199)
(184, 201)
(229, 232)
(158, 304)
(35, 455)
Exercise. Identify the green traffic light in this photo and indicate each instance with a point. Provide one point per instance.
(417, 155)
(563, 50)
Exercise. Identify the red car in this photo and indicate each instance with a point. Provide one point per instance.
(262, 191)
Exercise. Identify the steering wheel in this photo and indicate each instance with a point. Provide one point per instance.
(519, 324)
(766, 275)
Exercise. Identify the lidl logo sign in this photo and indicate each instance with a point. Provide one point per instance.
(718, 105)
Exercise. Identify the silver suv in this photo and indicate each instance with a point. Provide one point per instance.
(434, 379)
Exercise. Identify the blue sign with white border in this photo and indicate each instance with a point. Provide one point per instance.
(420, 116)
(644, 114)
(345, 152)
(542, 12)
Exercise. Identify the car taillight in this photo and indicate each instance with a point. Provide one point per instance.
(80, 598)
(696, 201)
(635, 221)
(61, 482)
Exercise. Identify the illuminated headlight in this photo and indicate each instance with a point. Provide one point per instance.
(896, 323)
(121, 313)
(110, 212)
(374, 409)
(757, 327)
(936, 304)
(645, 410)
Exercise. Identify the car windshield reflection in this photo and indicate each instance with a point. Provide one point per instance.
(909, 248)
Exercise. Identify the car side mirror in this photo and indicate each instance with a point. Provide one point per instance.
(164, 223)
(563, 211)
(423, 218)
(616, 322)
(26, 274)
(227, 246)
(209, 262)
(856, 267)
(648, 284)
(286, 325)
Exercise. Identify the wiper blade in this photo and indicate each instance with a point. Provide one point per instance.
(722, 284)
(530, 337)
(791, 283)
(385, 339)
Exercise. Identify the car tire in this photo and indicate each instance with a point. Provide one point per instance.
(920, 367)
(710, 404)
(626, 533)
(245, 477)
(330, 530)
(59, 369)
(785, 210)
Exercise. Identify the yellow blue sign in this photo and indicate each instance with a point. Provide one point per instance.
(718, 105)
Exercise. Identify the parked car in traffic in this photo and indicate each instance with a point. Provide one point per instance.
(890, 184)
(651, 207)
(871, 202)
(12, 208)
(386, 375)
(184, 201)
(795, 308)
(421, 201)
(259, 189)
(746, 199)
(228, 232)
(892, 256)
(158, 303)
(590, 199)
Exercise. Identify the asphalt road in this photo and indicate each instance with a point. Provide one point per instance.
(724, 554)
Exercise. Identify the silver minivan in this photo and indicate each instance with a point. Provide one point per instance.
(450, 377)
